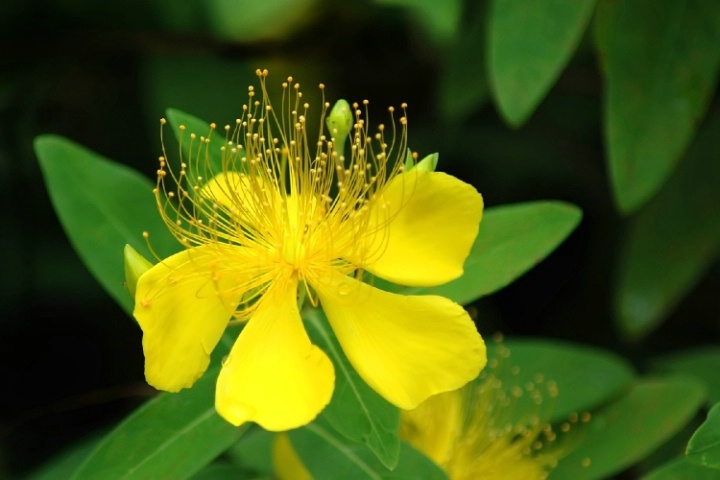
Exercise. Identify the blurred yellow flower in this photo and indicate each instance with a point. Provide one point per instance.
(490, 430)
(287, 217)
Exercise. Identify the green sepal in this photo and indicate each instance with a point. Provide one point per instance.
(427, 164)
(135, 265)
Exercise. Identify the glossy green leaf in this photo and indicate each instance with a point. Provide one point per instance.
(254, 451)
(660, 66)
(672, 241)
(512, 240)
(586, 377)
(702, 363)
(630, 428)
(463, 81)
(373, 421)
(102, 206)
(704, 446)
(171, 436)
(224, 471)
(682, 469)
(529, 43)
(329, 456)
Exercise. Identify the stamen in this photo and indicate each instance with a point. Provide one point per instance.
(298, 203)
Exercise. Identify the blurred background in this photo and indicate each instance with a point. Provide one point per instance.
(611, 107)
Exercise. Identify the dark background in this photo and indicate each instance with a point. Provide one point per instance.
(71, 361)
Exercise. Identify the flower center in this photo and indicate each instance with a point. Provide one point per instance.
(296, 203)
(293, 253)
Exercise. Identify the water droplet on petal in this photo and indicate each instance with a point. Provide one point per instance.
(344, 288)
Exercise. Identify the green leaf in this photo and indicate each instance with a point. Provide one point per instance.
(586, 377)
(529, 43)
(660, 66)
(102, 206)
(627, 430)
(254, 451)
(512, 240)
(463, 81)
(328, 456)
(171, 436)
(223, 471)
(374, 421)
(702, 363)
(704, 446)
(672, 241)
(682, 469)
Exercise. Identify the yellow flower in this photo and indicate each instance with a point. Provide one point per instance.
(480, 431)
(286, 216)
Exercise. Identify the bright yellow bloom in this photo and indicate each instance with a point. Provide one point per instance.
(285, 216)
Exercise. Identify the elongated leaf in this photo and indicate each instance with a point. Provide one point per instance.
(373, 420)
(704, 446)
(529, 43)
(630, 428)
(702, 363)
(102, 206)
(672, 241)
(660, 66)
(329, 456)
(586, 377)
(682, 469)
(512, 240)
(172, 436)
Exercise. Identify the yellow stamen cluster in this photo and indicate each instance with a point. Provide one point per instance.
(290, 198)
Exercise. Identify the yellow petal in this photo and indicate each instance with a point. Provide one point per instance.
(286, 462)
(424, 226)
(274, 376)
(406, 348)
(183, 306)
(434, 427)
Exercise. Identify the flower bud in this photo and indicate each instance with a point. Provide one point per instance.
(340, 122)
